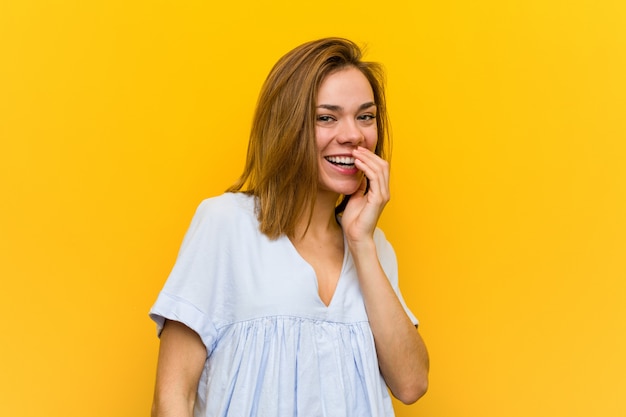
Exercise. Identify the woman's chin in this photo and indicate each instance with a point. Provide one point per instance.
(344, 187)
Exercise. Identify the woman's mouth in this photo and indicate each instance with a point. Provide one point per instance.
(341, 161)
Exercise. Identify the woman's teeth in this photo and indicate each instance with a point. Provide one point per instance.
(346, 161)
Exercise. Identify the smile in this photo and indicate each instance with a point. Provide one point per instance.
(343, 161)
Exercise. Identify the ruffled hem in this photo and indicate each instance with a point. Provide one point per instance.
(288, 366)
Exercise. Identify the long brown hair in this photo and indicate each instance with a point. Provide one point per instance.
(281, 168)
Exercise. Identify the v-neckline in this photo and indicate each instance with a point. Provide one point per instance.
(314, 274)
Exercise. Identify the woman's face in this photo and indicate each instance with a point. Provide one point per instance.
(345, 119)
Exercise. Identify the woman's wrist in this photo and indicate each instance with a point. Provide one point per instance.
(362, 249)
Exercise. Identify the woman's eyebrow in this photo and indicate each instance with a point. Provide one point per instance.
(331, 107)
(367, 105)
(334, 107)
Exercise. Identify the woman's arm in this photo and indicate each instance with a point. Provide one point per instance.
(402, 355)
(181, 360)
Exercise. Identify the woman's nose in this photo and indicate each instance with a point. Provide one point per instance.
(350, 134)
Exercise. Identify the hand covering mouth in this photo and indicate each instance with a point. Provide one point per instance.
(342, 161)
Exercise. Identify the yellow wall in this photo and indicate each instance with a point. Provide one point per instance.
(508, 212)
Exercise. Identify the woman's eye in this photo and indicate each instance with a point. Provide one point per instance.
(367, 117)
(325, 118)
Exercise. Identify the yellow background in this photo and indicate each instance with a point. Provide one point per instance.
(509, 187)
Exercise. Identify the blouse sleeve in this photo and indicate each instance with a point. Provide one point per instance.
(387, 258)
(191, 294)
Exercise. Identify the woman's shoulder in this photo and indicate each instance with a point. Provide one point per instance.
(386, 252)
(379, 237)
(227, 206)
(223, 218)
(226, 213)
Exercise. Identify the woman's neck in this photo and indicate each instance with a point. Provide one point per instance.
(323, 220)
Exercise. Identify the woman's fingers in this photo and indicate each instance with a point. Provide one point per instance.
(363, 210)
(376, 170)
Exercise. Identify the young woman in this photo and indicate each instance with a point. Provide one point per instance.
(284, 299)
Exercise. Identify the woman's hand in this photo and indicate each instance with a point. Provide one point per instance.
(364, 208)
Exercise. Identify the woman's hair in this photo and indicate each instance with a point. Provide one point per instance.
(281, 168)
